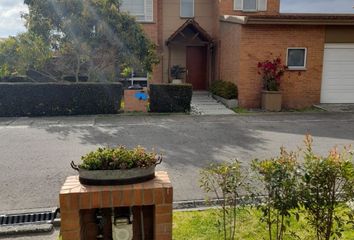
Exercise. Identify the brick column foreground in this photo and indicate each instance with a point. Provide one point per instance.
(75, 198)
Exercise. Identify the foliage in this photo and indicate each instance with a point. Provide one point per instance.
(279, 177)
(177, 72)
(18, 54)
(127, 72)
(91, 37)
(4, 71)
(170, 97)
(271, 72)
(224, 89)
(226, 181)
(327, 182)
(119, 158)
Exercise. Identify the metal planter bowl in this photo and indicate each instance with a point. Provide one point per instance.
(115, 177)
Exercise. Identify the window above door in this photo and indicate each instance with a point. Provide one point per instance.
(142, 10)
(250, 5)
(187, 8)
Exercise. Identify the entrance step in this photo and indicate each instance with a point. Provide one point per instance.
(204, 104)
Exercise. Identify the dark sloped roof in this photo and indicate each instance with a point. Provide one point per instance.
(191, 24)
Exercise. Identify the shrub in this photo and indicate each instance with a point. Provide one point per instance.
(271, 72)
(170, 97)
(50, 99)
(226, 181)
(327, 182)
(280, 179)
(118, 158)
(224, 89)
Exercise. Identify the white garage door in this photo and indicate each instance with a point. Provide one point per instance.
(338, 74)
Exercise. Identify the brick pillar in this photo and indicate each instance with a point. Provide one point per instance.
(75, 197)
(134, 104)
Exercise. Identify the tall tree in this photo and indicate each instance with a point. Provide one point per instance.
(90, 35)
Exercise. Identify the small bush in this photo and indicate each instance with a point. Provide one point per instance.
(170, 97)
(53, 99)
(226, 181)
(327, 183)
(118, 158)
(224, 89)
(279, 179)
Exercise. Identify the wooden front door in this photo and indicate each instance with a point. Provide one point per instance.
(197, 67)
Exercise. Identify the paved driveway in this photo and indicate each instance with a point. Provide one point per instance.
(35, 152)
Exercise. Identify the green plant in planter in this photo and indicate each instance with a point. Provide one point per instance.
(119, 158)
(177, 72)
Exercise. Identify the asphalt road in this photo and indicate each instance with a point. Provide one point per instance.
(35, 152)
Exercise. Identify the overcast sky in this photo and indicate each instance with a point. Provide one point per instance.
(11, 22)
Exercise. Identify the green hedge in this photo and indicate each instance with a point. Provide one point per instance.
(170, 97)
(52, 99)
(224, 89)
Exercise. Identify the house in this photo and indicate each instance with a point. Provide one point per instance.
(225, 39)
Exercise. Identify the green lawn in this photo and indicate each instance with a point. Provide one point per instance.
(200, 225)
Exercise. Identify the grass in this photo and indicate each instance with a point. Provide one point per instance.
(240, 110)
(202, 225)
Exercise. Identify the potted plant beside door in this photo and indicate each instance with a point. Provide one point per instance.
(177, 74)
(271, 72)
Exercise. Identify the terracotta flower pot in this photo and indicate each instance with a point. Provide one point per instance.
(271, 101)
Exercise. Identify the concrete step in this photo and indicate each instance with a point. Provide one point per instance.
(204, 104)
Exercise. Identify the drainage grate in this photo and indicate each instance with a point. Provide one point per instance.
(28, 218)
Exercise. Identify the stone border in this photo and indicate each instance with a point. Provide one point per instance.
(229, 103)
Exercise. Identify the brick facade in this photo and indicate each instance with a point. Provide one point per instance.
(238, 47)
(259, 43)
(77, 202)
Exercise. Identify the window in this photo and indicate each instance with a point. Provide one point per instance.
(142, 10)
(296, 58)
(187, 8)
(250, 5)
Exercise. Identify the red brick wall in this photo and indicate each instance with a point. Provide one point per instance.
(77, 200)
(230, 41)
(258, 43)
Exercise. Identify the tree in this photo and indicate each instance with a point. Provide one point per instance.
(18, 54)
(91, 33)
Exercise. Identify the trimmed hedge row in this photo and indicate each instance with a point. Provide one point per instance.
(170, 97)
(53, 99)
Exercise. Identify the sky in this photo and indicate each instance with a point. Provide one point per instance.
(11, 10)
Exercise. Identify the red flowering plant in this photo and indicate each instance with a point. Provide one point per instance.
(271, 72)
